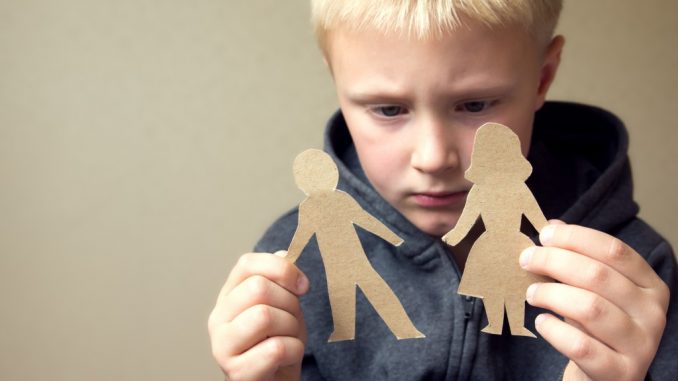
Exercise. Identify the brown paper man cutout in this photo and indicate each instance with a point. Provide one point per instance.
(330, 214)
(500, 197)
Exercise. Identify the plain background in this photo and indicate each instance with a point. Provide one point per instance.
(144, 145)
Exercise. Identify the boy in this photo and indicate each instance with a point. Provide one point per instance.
(414, 80)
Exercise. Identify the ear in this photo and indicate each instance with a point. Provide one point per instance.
(549, 69)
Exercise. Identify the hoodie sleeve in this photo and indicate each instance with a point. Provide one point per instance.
(664, 365)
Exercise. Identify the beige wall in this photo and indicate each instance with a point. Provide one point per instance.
(145, 144)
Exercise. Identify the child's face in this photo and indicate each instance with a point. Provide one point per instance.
(412, 108)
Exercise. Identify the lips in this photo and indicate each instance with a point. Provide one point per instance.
(440, 199)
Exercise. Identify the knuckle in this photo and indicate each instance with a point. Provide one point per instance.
(664, 294)
(276, 350)
(263, 316)
(219, 353)
(658, 320)
(295, 351)
(258, 288)
(617, 250)
(581, 348)
(593, 309)
(245, 260)
(236, 369)
(626, 368)
(232, 371)
(597, 274)
(219, 340)
(635, 367)
(661, 323)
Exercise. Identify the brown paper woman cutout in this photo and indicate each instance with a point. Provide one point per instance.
(500, 197)
(330, 214)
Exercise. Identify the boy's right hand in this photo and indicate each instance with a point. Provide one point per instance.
(257, 328)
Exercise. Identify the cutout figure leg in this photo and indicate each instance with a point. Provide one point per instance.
(388, 306)
(515, 308)
(341, 293)
(494, 309)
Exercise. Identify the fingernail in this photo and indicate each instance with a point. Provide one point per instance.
(530, 292)
(302, 283)
(538, 320)
(525, 256)
(546, 234)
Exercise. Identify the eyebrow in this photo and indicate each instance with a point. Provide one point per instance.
(366, 96)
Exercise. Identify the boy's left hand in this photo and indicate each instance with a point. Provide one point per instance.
(613, 303)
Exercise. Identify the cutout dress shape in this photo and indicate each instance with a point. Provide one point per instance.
(330, 214)
(500, 197)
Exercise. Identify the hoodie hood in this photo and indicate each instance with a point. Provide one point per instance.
(580, 168)
(582, 173)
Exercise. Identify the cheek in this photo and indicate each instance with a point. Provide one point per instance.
(381, 156)
(377, 168)
(378, 158)
(381, 170)
(464, 147)
(521, 124)
(524, 131)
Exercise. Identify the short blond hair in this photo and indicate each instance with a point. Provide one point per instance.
(424, 19)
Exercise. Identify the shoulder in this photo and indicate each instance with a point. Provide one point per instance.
(279, 235)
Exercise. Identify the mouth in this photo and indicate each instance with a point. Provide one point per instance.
(440, 199)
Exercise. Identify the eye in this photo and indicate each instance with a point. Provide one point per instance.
(474, 106)
(390, 111)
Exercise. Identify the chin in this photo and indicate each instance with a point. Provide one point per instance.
(436, 229)
(434, 223)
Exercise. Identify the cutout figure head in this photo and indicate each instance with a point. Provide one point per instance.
(496, 154)
(315, 171)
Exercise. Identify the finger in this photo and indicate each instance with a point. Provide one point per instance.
(263, 360)
(593, 314)
(273, 267)
(584, 272)
(255, 325)
(601, 247)
(253, 291)
(598, 361)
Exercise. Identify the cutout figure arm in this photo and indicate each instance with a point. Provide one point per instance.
(368, 222)
(532, 211)
(301, 236)
(468, 218)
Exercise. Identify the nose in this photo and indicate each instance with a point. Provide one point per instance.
(435, 148)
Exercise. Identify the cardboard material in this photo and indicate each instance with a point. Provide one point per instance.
(500, 197)
(330, 214)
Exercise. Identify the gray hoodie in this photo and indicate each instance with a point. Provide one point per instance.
(581, 175)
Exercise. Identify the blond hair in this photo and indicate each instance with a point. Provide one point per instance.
(424, 19)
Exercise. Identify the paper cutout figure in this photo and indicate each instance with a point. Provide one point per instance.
(330, 214)
(500, 197)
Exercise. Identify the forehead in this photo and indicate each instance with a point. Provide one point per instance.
(473, 53)
(466, 38)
